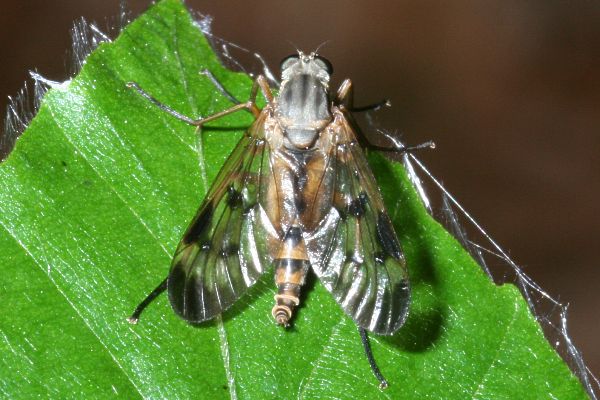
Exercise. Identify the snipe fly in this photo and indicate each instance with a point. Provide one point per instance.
(297, 194)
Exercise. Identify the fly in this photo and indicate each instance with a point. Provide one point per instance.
(296, 194)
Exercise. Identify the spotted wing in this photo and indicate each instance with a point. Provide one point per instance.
(355, 251)
(223, 251)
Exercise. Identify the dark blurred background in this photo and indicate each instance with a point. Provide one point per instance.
(508, 90)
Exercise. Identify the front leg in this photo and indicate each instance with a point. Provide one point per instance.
(397, 146)
(345, 98)
(259, 83)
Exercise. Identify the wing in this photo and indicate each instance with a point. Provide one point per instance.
(355, 251)
(224, 250)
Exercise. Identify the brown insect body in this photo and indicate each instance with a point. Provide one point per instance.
(296, 194)
(302, 194)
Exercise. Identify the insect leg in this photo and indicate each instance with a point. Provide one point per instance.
(195, 122)
(399, 147)
(372, 107)
(267, 71)
(146, 302)
(158, 104)
(213, 79)
(259, 82)
(250, 105)
(262, 83)
(365, 341)
(345, 96)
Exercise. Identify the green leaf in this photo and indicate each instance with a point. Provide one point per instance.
(93, 201)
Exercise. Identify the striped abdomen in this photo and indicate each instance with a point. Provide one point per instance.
(291, 266)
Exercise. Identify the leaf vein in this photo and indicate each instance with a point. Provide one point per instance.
(64, 295)
(501, 343)
(109, 185)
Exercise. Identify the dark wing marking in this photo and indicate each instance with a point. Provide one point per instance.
(224, 250)
(354, 251)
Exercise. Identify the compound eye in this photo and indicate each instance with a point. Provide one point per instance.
(324, 63)
(289, 61)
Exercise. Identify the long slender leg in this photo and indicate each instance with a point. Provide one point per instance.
(372, 107)
(213, 79)
(345, 96)
(158, 104)
(146, 302)
(267, 71)
(365, 341)
(262, 83)
(399, 147)
(259, 83)
(181, 117)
